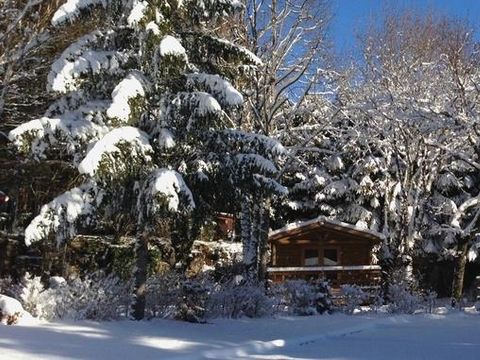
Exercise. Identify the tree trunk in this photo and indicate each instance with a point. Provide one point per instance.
(248, 241)
(141, 268)
(459, 270)
(263, 242)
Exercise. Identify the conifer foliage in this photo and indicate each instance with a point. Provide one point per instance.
(145, 113)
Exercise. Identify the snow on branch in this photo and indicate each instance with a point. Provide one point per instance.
(165, 187)
(246, 54)
(339, 188)
(462, 209)
(71, 9)
(201, 10)
(190, 106)
(249, 142)
(257, 162)
(62, 214)
(133, 86)
(139, 9)
(70, 131)
(170, 46)
(78, 59)
(270, 184)
(111, 145)
(221, 89)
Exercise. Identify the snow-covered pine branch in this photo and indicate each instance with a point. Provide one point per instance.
(63, 216)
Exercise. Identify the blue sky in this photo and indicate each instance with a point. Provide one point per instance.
(351, 15)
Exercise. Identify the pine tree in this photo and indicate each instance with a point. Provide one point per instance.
(146, 116)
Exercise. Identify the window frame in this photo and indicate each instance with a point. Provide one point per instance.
(304, 258)
(337, 250)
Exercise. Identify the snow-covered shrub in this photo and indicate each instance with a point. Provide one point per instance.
(430, 300)
(235, 299)
(300, 297)
(172, 295)
(402, 299)
(353, 296)
(96, 297)
(10, 310)
(32, 295)
(193, 297)
(378, 300)
(162, 294)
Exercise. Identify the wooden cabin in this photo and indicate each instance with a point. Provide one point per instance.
(324, 248)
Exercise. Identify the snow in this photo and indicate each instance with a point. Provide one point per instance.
(221, 89)
(71, 9)
(206, 104)
(129, 88)
(256, 161)
(335, 163)
(170, 184)
(267, 183)
(74, 128)
(251, 142)
(10, 306)
(61, 214)
(151, 26)
(171, 46)
(107, 146)
(324, 220)
(252, 58)
(472, 254)
(354, 337)
(339, 188)
(137, 13)
(166, 139)
(78, 59)
(200, 104)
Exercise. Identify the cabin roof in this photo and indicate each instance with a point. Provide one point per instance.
(326, 223)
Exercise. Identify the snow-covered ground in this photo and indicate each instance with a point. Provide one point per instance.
(438, 336)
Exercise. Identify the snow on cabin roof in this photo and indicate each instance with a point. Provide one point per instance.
(322, 220)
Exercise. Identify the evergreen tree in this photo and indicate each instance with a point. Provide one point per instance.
(146, 116)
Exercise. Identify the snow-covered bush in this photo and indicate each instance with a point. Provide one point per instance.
(96, 297)
(174, 296)
(353, 296)
(235, 299)
(162, 294)
(10, 310)
(378, 300)
(430, 300)
(300, 297)
(402, 299)
(193, 297)
(32, 296)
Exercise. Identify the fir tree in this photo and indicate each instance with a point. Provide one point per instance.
(146, 116)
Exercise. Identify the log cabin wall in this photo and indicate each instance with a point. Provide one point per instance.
(290, 250)
(321, 246)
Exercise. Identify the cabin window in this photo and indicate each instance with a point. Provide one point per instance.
(330, 257)
(311, 257)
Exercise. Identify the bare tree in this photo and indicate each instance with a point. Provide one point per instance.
(290, 38)
(421, 97)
